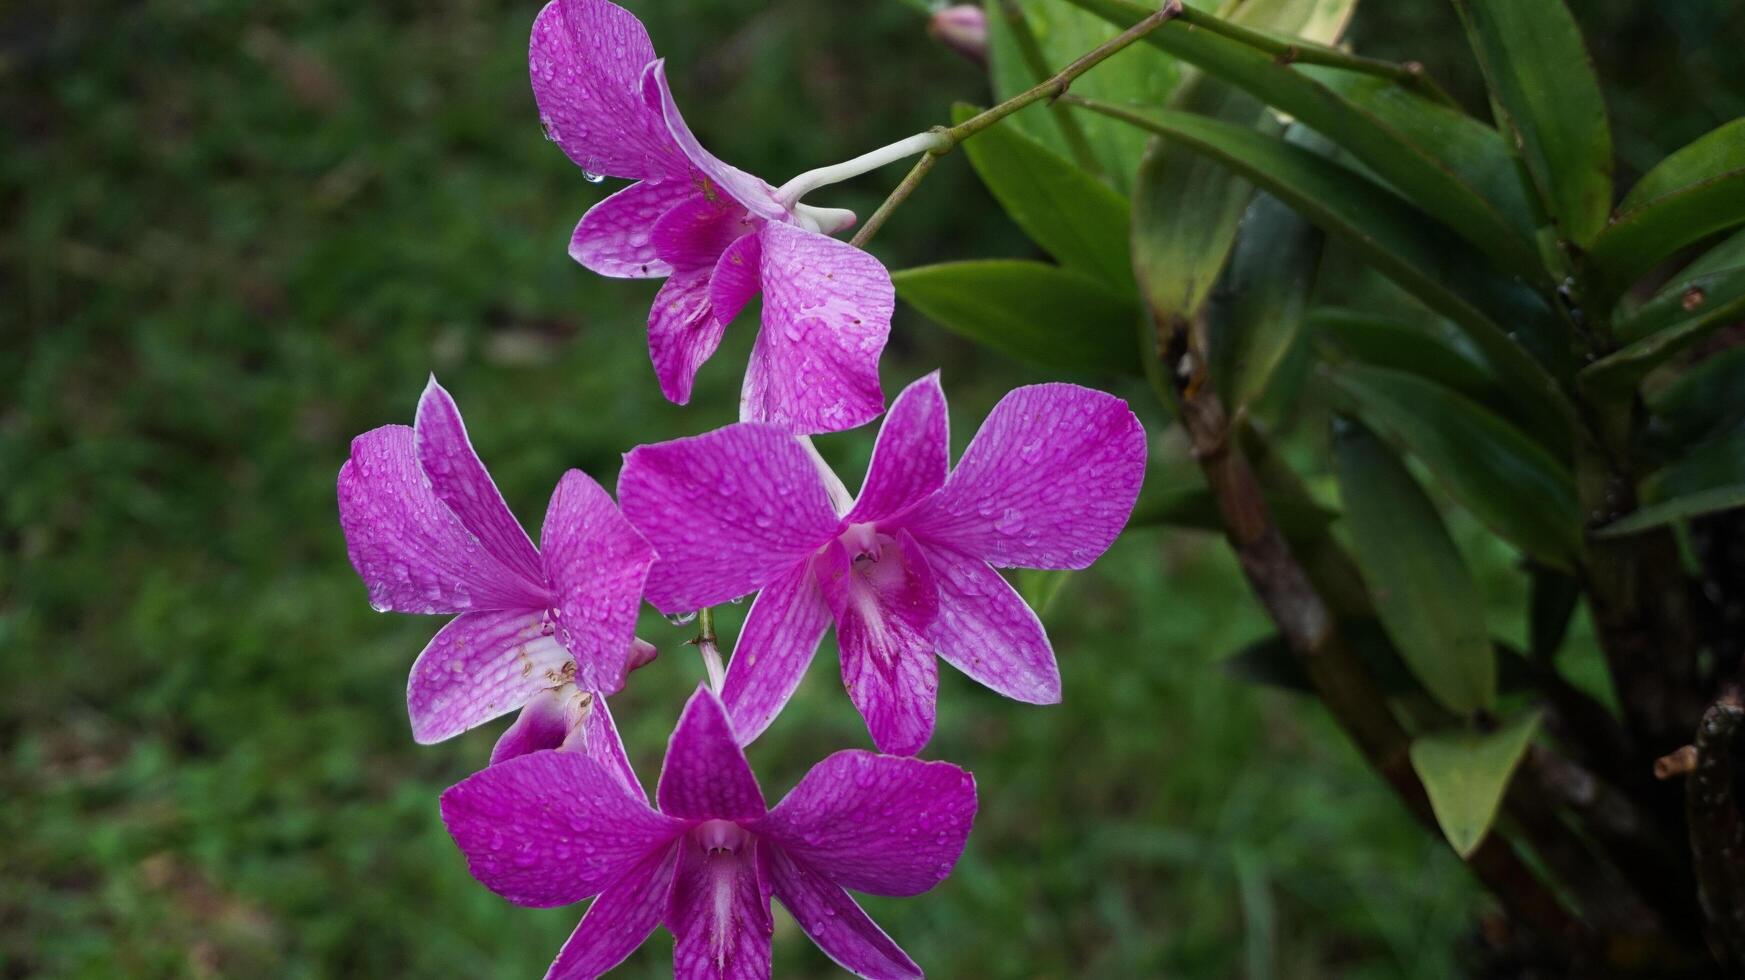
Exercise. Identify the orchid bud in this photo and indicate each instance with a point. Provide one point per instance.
(964, 29)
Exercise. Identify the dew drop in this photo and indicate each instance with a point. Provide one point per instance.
(680, 619)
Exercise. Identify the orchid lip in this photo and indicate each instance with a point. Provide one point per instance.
(721, 836)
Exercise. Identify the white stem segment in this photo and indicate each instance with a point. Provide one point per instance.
(825, 221)
(791, 192)
(712, 664)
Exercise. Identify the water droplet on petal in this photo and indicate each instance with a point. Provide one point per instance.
(680, 619)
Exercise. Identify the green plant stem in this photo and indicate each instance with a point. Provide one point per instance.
(1050, 88)
(1293, 51)
(1031, 51)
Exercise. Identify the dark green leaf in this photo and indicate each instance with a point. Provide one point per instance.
(1511, 484)
(1718, 301)
(1195, 507)
(1669, 307)
(1415, 170)
(1717, 461)
(1677, 509)
(1186, 209)
(1546, 96)
(1423, 592)
(1437, 269)
(1432, 350)
(1704, 399)
(1051, 317)
(1553, 602)
(1695, 192)
(1074, 217)
(1257, 318)
(1466, 772)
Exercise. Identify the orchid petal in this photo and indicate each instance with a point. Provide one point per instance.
(719, 914)
(413, 553)
(880, 824)
(833, 920)
(1048, 482)
(551, 828)
(586, 60)
(459, 480)
(826, 315)
(727, 512)
(619, 920)
(912, 454)
(694, 233)
(781, 633)
(705, 776)
(751, 193)
(682, 333)
(480, 666)
(989, 632)
(544, 723)
(885, 607)
(602, 743)
(737, 278)
(615, 237)
(597, 565)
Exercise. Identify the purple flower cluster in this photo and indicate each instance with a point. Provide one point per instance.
(906, 570)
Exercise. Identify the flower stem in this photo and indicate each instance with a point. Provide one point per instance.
(791, 192)
(1050, 88)
(1031, 50)
(708, 649)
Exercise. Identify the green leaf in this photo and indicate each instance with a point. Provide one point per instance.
(1476, 153)
(1432, 350)
(1677, 509)
(1319, 21)
(1511, 484)
(1194, 507)
(1414, 169)
(1466, 773)
(1423, 592)
(1186, 209)
(1389, 234)
(1063, 33)
(1257, 317)
(1052, 317)
(1707, 397)
(1717, 461)
(1669, 307)
(1041, 586)
(1074, 217)
(1547, 98)
(1718, 301)
(1695, 192)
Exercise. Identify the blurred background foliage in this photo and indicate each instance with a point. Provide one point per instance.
(237, 234)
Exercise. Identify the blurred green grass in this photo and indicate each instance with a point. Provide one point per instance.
(237, 235)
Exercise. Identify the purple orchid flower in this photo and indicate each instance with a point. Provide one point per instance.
(906, 569)
(428, 531)
(552, 828)
(717, 235)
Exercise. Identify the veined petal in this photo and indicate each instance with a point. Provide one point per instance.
(460, 480)
(833, 920)
(737, 278)
(885, 606)
(603, 745)
(705, 776)
(619, 920)
(1048, 482)
(719, 914)
(712, 176)
(727, 512)
(912, 454)
(881, 824)
(551, 828)
(826, 315)
(682, 333)
(616, 236)
(586, 60)
(694, 233)
(782, 630)
(989, 632)
(413, 553)
(597, 565)
(480, 666)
